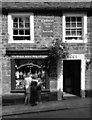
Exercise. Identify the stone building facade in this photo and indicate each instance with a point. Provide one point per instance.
(24, 48)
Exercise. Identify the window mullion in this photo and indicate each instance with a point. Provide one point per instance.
(70, 27)
(76, 27)
(24, 26)
(18, 25)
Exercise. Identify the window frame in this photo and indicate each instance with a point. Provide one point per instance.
(10, 27)
(84, 26)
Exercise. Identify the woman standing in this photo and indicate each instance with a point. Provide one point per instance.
(39, 88)
(27, 82)
(33, 90)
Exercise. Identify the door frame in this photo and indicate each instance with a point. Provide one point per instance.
(73, 83)
(60, 74)
(82, 58)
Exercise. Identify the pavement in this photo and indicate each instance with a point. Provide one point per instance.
(72, 103)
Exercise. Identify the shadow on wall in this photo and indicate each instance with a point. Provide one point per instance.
(88, 93)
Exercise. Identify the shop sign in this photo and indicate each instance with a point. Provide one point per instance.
(47, 28)
(73, 56)
(29, 56)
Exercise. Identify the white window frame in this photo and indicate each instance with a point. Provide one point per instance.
(84, 20)
(10, 28)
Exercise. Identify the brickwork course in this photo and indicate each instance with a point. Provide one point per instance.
(40, 41)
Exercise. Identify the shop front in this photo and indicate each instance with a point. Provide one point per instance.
(28, 62)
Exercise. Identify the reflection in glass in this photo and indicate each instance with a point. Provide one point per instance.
(67, 19)
(27, 32)
(27, 20)
(74, 32)
(21, 32)
(21, 24)
(15, 19)
(73, 19)
(79, 19)
(27, 25)
(79, 24)
(79, 32)
(67, 32)
(15, 25)
(20, 19)
(67, 24)
(73, 24)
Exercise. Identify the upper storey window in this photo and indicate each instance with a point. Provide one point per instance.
(21, 28)
(74, 27)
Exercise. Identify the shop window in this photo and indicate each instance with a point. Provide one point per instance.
(74, 27)
(21, 67)
(21, 28)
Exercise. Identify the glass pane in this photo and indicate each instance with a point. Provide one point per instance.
(73, 24)
(21, 32)
(27, 32)
(15, 25)
(73, 19)
(15, 32)
(79, 24)
(21, 24)
(68, 38)
(27, 25)
(73, 32)
(15, 38)
(67, 19)
(20, 19)
(27, 19)
(67, 32)
(27, 38)
(67, 24)
(79, 19)
(79, 32)
(15, 19)
(18, 37)
(80, 29)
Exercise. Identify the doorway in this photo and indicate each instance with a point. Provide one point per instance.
(72, 76)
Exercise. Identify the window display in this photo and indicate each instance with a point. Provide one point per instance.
(34, 67)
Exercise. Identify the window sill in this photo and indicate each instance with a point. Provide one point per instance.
(23, 91)
(22, 41)
(75, 41)
(18, 91)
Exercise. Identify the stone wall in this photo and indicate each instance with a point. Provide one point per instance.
(88, 54)
(0, 55)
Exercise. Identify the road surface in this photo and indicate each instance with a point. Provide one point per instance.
(67, 113)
